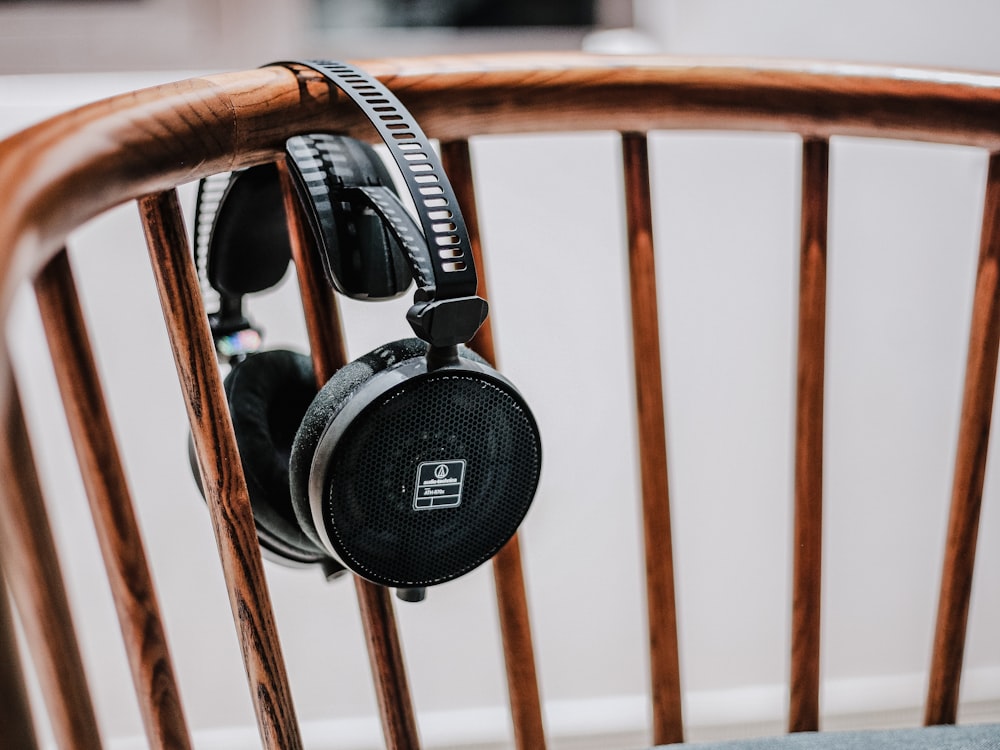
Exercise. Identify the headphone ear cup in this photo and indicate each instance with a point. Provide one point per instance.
(331, 398)
(361, 257)
(249, 249)
(411, 476)
(268, 395)
(380, 261)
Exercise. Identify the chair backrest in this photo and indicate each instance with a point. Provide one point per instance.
(58, 175)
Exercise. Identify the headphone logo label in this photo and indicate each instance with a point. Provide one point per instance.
(439, 484)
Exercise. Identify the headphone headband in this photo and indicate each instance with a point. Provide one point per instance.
(446, 310)
(415, 463)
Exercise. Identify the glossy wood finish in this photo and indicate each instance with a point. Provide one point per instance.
(111, 506)
(176, 133)
(329, 354)
(31, 565)
(62, 172)
(221, 470)
(808, 535)
(970, 466)
(16, 725)
(660, 606)
(399, 723)
(508, 568)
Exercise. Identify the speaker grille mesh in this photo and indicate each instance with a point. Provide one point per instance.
(369, 487)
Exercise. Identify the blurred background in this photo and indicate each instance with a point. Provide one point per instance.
(174, 34)
(904, 225)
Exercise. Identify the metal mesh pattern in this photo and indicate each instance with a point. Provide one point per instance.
(369, 487)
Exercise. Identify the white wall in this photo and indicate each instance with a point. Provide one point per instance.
(904, 223)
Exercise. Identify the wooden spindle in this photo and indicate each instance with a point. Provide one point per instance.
(808, 534)
(222, 471)
(661, 609)
(508, 570)
(16, 726)
(970, 467)
(385, 654)
(329, 353)
(30, 563)
(111, 507)
(319, 302)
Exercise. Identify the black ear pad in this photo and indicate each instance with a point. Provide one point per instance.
(361, 257)
(268, 394)
(328, 402)
(373, 170)
(367, 262)
(249, 249)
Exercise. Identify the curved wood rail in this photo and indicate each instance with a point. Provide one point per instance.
(166, 135)
(62, 172)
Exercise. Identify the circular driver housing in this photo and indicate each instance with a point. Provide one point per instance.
(424, 476)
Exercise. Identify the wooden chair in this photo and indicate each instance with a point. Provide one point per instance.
(139, 147)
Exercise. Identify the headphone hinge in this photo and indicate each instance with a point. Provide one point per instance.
(233, 334)
(447, 322)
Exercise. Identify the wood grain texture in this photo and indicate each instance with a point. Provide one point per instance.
(508, 568)
(58, 174)
(523, 692)
(111, 507)
(385, 655)
(179, 132)
(661, 610)
(30, 563)
(166, 135)
(221, 470)
(16, 726)
(808, 534)
(970, 467)
(329, 354)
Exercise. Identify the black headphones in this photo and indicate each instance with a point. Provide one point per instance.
(417, 462)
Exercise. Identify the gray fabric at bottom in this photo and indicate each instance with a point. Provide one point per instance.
(970, 737)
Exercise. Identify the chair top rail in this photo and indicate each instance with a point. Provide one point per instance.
(59, 173)
(66, 170)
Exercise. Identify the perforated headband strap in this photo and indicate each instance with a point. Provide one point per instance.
(446, 311)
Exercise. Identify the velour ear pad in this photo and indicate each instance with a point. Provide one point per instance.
(361, 257)
(372, 170)
(328, 402)
(379, 268)
(268, 393)
(249, 249)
